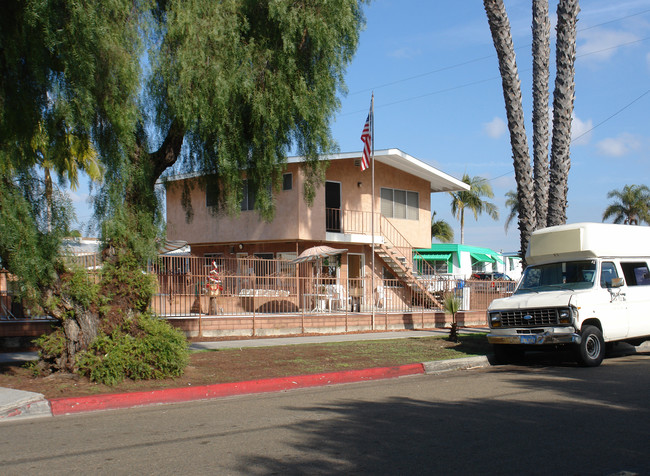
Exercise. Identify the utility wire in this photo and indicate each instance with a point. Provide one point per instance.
(573, 139)
(475, 60)
(473, 83)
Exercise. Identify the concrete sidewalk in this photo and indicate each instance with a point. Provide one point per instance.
(17, 404)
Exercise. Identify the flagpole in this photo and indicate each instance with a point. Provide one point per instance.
(372, 218)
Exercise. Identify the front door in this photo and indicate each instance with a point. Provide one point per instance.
(333, 207)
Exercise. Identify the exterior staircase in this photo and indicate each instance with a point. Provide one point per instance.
(397, 253)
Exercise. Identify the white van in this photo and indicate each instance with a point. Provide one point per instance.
(586, 285)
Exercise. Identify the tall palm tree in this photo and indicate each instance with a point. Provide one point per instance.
(541, 74)
(77, 156)
(512, 204)
(631, 205)
(556, 179)
(563, 95)
(511, 86)
(441, 230)
(472, 200)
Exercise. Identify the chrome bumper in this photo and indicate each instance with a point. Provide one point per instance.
(535, 339)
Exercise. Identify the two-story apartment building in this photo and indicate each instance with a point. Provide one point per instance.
(341, 215)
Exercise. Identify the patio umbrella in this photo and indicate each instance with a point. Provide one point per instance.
(318, 252)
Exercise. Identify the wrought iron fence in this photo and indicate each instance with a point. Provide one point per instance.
(189, 286)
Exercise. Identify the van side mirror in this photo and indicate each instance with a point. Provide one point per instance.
(617, 282)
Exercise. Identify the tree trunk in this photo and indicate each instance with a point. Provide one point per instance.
(80, 327)
(500, 29)
(49, 192)
(563, 96)
(541, 59)
(462, 226)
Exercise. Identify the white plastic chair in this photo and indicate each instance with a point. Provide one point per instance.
(380, 296)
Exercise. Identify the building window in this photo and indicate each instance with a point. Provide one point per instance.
(287, 181)
(211, 195)
(400, 204)
(248, 200)
(249, 196)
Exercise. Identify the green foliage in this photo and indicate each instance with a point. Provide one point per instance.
(631, 206)
(51, 345)
(79, 286)
(249, 81)
(126, 283)
(441, 230)
(451, 305)
(512, 204)
(27, 250)
(155, 351)
(473, 201)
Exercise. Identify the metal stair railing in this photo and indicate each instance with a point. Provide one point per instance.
(397, 252)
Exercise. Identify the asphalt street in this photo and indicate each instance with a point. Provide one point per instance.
(544, 417)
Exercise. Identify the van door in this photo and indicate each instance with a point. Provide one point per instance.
(637, 279)
(611, 306)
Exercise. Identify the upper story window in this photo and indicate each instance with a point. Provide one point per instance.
(400, 204)
(211, 195)
(287, 181)
(248, 201)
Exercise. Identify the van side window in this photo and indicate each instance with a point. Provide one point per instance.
(607, 273)
(636, 274)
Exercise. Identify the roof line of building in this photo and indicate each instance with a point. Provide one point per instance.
(439, 180)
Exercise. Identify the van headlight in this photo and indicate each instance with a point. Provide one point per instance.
(495, 319)
(564, 316)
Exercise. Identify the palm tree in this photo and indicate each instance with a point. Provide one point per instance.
(553, 208)
(472, 200)
(563, 95)
(78, 156)
(441, 230)
(511, 86)
(541, 73)
(512, 203)
(631, 205)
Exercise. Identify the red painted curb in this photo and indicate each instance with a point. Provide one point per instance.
(63, 406)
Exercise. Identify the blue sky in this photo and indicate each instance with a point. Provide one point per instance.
(434, 73)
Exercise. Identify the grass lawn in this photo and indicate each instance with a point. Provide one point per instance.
(251, 363)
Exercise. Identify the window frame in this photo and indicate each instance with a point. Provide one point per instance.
(406, 206)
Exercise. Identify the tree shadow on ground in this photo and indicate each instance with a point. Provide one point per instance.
(599, 426)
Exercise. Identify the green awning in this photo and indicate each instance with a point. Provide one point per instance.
(433, 256)
(481, 257)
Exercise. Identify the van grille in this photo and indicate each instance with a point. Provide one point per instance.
(538, 317)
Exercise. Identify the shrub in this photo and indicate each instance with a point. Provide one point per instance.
(51, 345)
(155, 351)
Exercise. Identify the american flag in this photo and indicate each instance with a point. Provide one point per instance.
(366, 138)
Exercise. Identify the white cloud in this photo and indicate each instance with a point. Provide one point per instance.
(580, 131)
(404, 53)
(618, 146)
(600, 45)
(495, 128)
(77, 197)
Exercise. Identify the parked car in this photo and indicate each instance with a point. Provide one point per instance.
(492, 277)
(492, 282)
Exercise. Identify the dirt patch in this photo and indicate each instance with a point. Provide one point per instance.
(236, 365)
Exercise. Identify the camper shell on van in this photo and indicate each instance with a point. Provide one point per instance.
(586, 285)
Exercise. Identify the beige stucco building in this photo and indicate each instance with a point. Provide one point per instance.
(340, 217)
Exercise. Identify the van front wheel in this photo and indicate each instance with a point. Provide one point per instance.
(591, 350)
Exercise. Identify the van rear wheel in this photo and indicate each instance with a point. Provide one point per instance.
(591, 350)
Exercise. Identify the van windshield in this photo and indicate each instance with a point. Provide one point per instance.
(563, 275)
